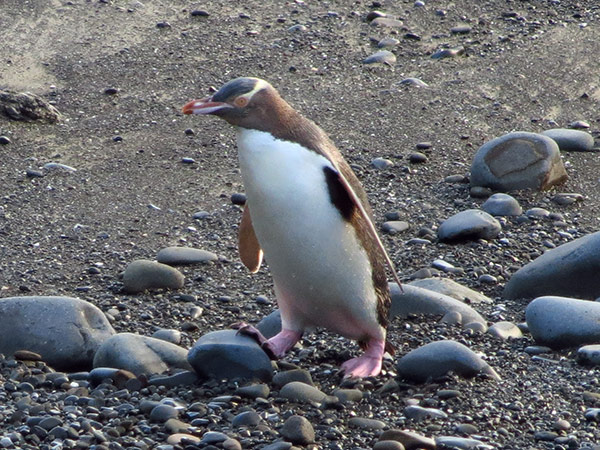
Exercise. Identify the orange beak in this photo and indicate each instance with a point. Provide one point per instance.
(204, 106)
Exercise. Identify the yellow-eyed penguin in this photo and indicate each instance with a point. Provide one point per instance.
(309, 214)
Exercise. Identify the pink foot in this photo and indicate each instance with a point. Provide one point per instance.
(368, 364)
(275, 347)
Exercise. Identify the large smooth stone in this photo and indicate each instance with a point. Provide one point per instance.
(438, 358)
(569, 140)
(502, 205)
(140, 354)
(184, 255)
(270, 325)
(570, 270)
(560, 322)
(416, 300)
(452, 289)
(227, 354)
(65, 331)
(471, 224)
(518, 160)
(144, 274)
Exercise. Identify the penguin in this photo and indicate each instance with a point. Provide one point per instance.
(307, 213)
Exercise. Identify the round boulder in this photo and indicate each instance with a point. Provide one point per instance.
(65, 331)
(502, 205)
(570, 140)
(518, 160)
(471, 224)
(144, 274)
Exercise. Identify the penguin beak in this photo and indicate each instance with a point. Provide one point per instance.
(204, 106)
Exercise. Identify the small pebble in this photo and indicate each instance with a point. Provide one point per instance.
(4, 140)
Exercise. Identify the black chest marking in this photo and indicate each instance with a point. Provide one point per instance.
(338, 194)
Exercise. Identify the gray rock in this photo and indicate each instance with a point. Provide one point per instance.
(298, 430)
(65, 331)
(505, 330)
(282, 378)
(471, 224)
(448, 53)
(254, 391)
(570, 140)
(213, 437)
(386, 22)
(366, 424)
(348, 395)
(413, 82)
(416, 300)
(184, 255)
(567, 198)
(452, 289)
(388, 445)
(278, 445)
(298, 392)
(161, 413)
(185, 378)
(518, 160)
(172, 336)
(246, 419)
(388, 42)
(394, 226)
(409, 439)
(383, 57)
(270, 325)
(437, 358)
(140, 354)
(502, 205)
(227, 354)
(27, 107)
(418, 413)
(458, 443)
(537, 213)
(569, 270)
(560, 322)
(381, 163)
(589, 354)
(143, 274)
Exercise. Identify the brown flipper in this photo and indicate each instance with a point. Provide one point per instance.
(250, 252)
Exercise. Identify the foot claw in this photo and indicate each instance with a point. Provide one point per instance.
(253, 332)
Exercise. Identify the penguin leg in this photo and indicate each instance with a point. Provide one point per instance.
(277, 346)
(369, 363)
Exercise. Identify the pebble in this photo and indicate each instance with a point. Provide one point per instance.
(366, 424)
(297, 28)
(238, 199)
(4, 140)
(417, 158)
(461, 29)
(180, 438)
(53, 327)
(140, 354)
(161, 413)
(455, 179)
(172, 336)
(579, 125)
(381, 163)
(448, 53)
(564, 199)
(458, 443)
(471, 224)
(537, 349)
(414, 82)
(246, 419)
(560, 322)
(388, 42)
(381, 57)
(388, 445)
(299, 392)
(386, 22)
(567, 270)
(298, 430)
(111, 91)
(48, 167)
(589, 354)
(213, 437)
(187, 378)
(393, 227)
(174, 425)
(570, 140)
(505, 330)
(480, 192)
(254, 391)
(231, 444)
(409, 439)
(348, 395)
(518, 160)
(199, 13)
(438, 358)
(270, 325)
(502, 205)
(416, 300)
(452, 289)
(188, 160)
(537, 213)
(227, 354)
(282, 378)
(562, 425)
(142, 274)
(184, 255)
(201, 215)
(419, 413)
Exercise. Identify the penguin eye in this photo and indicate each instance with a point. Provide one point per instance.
(240, 102)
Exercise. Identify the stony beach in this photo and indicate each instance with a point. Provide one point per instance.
(474, 127)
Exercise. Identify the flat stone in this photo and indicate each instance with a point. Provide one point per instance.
(227, 354)
(589, 354)
(560, 322)
(565, 198)
(471, 224)
(388, 445)
(569, 270)
(65, 331)
(409, 439)
(161, 413)
(254, 391)
(570, 140)
(298, 430)
(381, 57)
(388, 42)
(417, 300)
(140, 354)
(366, 424)
(299, 392)
(411, 81)
(452, 289)
(438, 358)
(246, 419)
(502, 205)
(348, 395)
(185, 378)
(458, 443)
(505, 330)
(448, 53)
(394, 226)
(144, 274)
(181, 438)
(282, 378)
(419, 413)
(172, 336)
(386, 22)
(518, 160)
(184, 255)
(381, 163)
